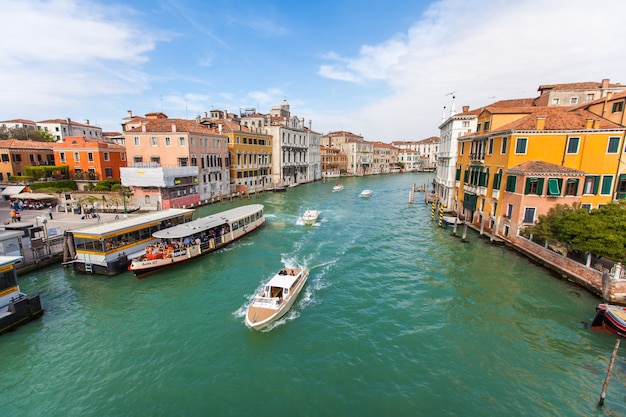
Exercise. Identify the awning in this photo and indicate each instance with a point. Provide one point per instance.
(34, 196)
(13, 189)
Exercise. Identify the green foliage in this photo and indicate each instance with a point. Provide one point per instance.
(116, 187)
(601, 231)
(45, 171)
(106, 185)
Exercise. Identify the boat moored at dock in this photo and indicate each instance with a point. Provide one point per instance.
(276, 297)
(108, 248)
(16, 308)
(198, 237)
(611, 318)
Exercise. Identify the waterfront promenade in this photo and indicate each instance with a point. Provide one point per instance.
(60, 222)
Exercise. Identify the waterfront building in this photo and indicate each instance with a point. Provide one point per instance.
(295, 148)
(334, 161)
(360, 155)
(61, 128)
(494, 173)
(427, 149)
(156, 145)
(410, 160)
(90, 159)
(385, 158)
(338, 139)
(250, 150)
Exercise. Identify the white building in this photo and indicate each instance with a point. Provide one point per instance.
(60, 128)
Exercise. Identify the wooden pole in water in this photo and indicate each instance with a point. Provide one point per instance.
(608, 374)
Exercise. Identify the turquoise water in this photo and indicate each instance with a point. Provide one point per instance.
(398, 318)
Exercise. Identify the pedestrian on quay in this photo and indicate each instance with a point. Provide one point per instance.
(50, 212)
(12, 214)
(18, 216)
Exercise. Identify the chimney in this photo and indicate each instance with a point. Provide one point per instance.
(605, 83)
(143, 127)
(173, 127)
(130, 113)
(219, 128)
(588, 123)
(465, 109)
(87, 122)
(540, 124)
(205, 115)
(310, 122)
(596, 124)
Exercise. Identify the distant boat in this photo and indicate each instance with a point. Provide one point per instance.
(611, 318)
(366, 193)
(276, 297)
(310, 216)
(338, 187)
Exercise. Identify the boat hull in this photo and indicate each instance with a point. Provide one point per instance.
(611, 318)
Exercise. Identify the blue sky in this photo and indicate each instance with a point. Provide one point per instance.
(380, 69)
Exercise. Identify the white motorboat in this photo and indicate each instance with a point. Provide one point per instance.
(276, 297)
(310, 216)
(338, 187)
(366, 193)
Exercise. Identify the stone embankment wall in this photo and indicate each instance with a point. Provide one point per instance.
(615, 290)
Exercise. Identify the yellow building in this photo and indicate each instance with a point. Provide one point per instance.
(522, 161)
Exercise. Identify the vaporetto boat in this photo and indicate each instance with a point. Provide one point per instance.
(198, 237)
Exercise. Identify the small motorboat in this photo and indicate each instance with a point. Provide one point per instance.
(338, 187)
(366, 193)
(276, 297)
(310, 216)
(611, 318)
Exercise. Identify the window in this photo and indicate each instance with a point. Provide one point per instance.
(155, 159)
(478, 127)
(509, 210)
(556, 101)
(573, 100)
(458, 174)
(590, 97)
(123, 156)
(106, 156)
(182, 162)
(503, 147)
(571, 186)
(108, 172)
(90, 156)
(181, 141)
(613, 146)
(136, 139)
(486, 128)
(529, 215)
(168, 142)
(586, 206)
(466, 123)
(607, 185)
(490, 146)
(510, 183)
(572, 145)
(32, 158)
(592, 182)
(554, 187)
(462, 148)
(520, 146)
(17, 158)
(618, 107)
(154, 141)
(137, 160)
(76, 157)
(5, 157)
(534, 186)
(497, 180)
(61, 156)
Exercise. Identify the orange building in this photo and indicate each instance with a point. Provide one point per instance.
(17, 154)
(90, 159)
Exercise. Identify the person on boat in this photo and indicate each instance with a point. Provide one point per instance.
(283, 272)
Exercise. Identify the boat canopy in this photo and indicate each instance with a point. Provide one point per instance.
(283, 281)
(205, 223)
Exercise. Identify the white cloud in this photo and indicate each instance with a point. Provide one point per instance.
(59, 50)
(485, 51)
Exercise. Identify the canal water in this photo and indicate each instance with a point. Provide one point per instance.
(398, 318)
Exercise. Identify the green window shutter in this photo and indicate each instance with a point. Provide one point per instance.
(458, 174)
(527, 188)
(554, 187)
(465, 176)
(482, 180)
(596, 184)
(540, 186)
(511, 181)
(607, 185)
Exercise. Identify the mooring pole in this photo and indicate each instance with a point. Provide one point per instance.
(608, 374)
